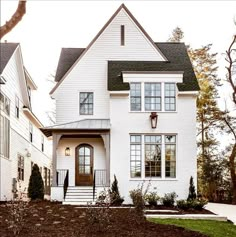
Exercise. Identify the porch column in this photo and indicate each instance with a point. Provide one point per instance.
(106, 140)
(56, 139)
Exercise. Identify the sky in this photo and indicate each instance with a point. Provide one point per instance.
(50, 25)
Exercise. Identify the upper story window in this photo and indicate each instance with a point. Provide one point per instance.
(30, 132)
(4, 136)
(17, 109)
(135, 96)
(122, 35)
(86, 103)
(29, 93)
(152, 96)
(4, 104)
(42, 143)
(21, 167)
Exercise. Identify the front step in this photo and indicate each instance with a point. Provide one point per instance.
(80, 195)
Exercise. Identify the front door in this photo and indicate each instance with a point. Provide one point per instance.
(84, 165)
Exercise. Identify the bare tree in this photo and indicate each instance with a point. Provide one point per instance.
(15, 19)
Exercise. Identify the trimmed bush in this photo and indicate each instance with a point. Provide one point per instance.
(36, 186)
(169, 199)
(192, 193)
(196, 204)
(115, 198)
(152, 198)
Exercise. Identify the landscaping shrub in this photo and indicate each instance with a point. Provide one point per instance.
(138, 197)
(115, 198)
(192, 193)
(36, 186)
(152, 198)
(169, 199)
(196, 204)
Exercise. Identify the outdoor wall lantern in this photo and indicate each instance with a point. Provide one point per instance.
(67, 151)
(153, 118)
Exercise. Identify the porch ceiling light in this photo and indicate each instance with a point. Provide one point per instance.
(153, 118)
(67, 151)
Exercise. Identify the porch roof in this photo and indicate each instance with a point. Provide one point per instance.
(80, 125)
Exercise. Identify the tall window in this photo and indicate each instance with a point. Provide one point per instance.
(20, 167)
(86, 103)
(46, 180)
(4, 104)
(30, 132)
(135, 156)
(152, 156)
(153, 96)
(85, 153)
(4, 136)
(42, 143)
(122, 35)
(170, 156)
(17, 109)
(135, 96)
(170, 97)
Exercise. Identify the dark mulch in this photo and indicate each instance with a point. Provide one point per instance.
(47, 219)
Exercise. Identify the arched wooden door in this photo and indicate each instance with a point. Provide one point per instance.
(84, 165)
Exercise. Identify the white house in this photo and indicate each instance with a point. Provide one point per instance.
(21, 142)
(125, 106)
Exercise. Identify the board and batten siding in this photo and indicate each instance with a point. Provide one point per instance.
(90, 74)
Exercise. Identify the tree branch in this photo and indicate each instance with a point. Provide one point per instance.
(15, 19)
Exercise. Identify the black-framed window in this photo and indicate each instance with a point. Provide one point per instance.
(21, 167)
(17, 108)
(4, 103)
(152, 155)
(170, 156)
(152, 96)
(30, 132)
(135, 96)
(86, 103)
(135, 156)
(170, 97)
(42, 143)
(122, 35)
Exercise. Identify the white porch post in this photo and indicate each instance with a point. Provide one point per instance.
(106, 140)
(56, 139)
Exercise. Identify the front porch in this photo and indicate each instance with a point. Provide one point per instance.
(81, 160)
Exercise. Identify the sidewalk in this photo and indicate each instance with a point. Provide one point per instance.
(223, 210)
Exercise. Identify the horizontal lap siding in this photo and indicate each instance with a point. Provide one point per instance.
(90, 74)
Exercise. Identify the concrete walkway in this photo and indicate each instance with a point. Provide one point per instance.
(223, 210)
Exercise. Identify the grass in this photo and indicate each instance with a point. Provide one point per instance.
(210, 228)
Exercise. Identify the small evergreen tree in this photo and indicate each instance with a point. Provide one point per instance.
(192, 193)
(36, 186)
(115, 197)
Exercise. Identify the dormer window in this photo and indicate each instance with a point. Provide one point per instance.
(122, 35)
(17, 103)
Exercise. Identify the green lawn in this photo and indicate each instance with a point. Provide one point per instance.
(210, 228)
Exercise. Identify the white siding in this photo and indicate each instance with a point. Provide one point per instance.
(90, 74)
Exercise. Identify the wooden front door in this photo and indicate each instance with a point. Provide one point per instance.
(84, 165)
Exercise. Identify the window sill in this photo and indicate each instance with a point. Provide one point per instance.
(153, 179)
(153, 111)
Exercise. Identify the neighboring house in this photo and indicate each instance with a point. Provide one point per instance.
(21, 142)
(109, 97)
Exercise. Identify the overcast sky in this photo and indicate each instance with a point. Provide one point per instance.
(50, 25)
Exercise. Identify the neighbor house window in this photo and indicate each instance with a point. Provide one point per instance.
(17, 109)
(86, 103)
(152, 156)
(153, 96)
(122, 35)
(30, 132)
(4, 104)
(20, 167)
(135, 156)
(170, 97)
(42, 143)
(170, 156)
(4, 136)
(135, 96)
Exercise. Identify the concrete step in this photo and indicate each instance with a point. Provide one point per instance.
(80, 187)
(79, 191)
(80, 197)
(78, 203)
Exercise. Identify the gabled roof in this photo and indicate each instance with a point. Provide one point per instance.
(62, 72)
(6, 51)
(67, 58)
(178, 60)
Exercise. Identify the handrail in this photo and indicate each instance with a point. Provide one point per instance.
(66, 183)
(94, 183)
(62, 179)
(99, 179)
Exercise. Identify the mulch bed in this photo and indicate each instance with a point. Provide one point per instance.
(46, 219)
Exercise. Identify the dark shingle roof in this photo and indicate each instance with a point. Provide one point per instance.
(6, 51)
(178, 60)
(67, 59)
(176, 53)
